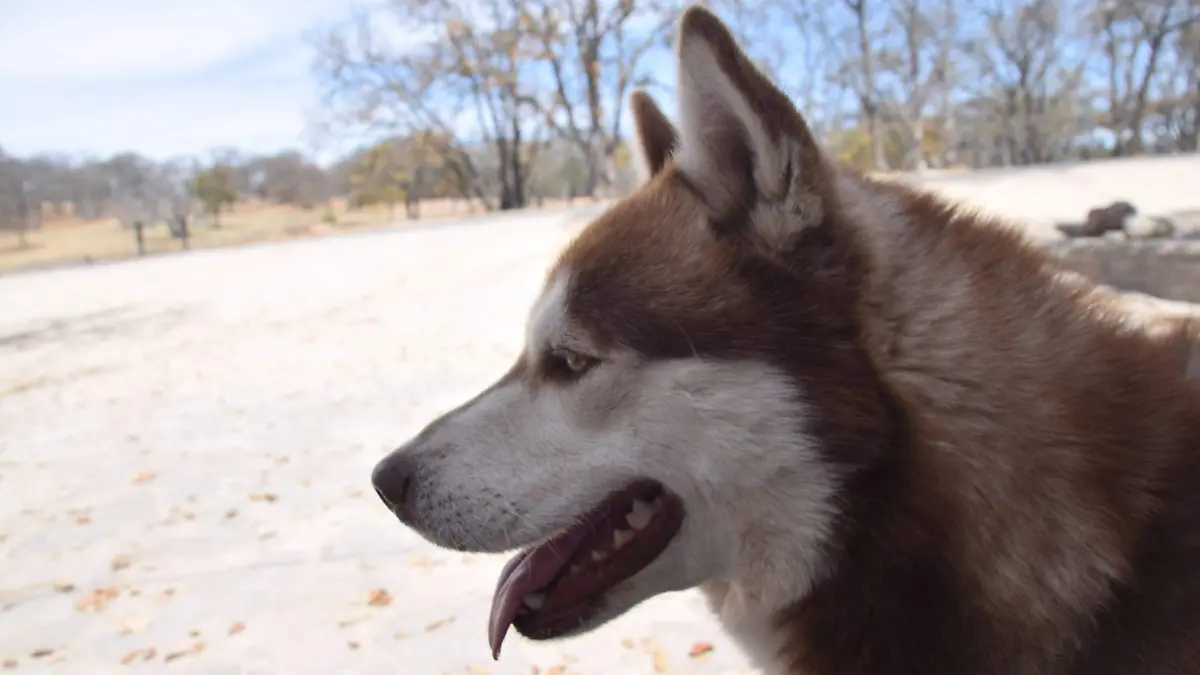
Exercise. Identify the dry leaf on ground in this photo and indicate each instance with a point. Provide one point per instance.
(144, 476)
(64, 587)
(236, 627)
(120, 562)
(132, 625)
(438, 624)
(83, 520)
(352, 644)
(41, 653)
(11, 663)
(96, 600)
(478, 670)
(144, 654)
(660, 662)
(379, 598)
(399, 635)
(628, 643)
(264, 497)
(556, 670)
(700, 649)
(231, 513)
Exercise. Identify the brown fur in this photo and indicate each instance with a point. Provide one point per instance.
(1023, 463)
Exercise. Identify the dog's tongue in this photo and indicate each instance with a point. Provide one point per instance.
(528, 572)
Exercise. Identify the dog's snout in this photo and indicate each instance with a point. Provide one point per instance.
(392, 479)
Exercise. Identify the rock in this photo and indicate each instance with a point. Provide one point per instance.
(1149, 227)
(1111, 218)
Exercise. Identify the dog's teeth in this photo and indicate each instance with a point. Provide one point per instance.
(535, 601)
(620, 538)
(640, 515)
(599, 556)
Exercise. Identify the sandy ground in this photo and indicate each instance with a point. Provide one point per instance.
(186, 442)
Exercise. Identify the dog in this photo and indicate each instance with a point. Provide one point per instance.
(880, 432)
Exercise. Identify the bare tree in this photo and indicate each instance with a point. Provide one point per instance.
(593, 51)
(1136, 34)
(463, 83)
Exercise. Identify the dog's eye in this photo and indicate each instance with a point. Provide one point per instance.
(577, 362)
(569, 364)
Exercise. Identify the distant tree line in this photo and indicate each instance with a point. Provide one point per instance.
(506, 102)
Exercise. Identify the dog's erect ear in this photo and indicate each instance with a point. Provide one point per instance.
(741, 141)
(656, 135)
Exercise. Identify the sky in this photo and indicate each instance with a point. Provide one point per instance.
(164, 78)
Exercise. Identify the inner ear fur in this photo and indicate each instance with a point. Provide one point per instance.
(741, 141)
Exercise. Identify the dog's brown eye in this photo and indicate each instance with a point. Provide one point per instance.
(568, 364)
(577, 362)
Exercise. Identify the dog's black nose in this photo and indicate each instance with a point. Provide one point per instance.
(392, 478)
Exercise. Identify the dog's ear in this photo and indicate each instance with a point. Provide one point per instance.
(656, 135)
(742, 144)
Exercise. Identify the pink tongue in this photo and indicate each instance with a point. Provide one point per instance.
(528, 572)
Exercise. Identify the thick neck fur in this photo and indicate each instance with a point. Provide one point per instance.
(1039, 469)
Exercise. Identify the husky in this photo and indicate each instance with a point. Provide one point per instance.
(882, 433)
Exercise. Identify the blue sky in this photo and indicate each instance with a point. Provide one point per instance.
(161, 77)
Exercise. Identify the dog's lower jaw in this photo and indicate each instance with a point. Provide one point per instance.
(750, 621)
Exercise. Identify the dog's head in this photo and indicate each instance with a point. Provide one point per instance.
(696, 351)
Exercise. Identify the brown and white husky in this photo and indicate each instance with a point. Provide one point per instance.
(883, 434)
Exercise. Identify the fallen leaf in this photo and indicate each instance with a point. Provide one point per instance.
(354, 494)
(96, 600)
(628, 643)
(305, 482)
(419, 561)
(144, 476)
(264, 497)
(352, 644)
(237, 627)
(10, 663)
(660, 662)
(231, 513)
(136, 624)
(438, 624)
(195, 632)
(41, 653)
(379, 598)
(478, 670)
(131, 655)
(83, 520)
(556, 670)
(171, 656)
(164, 596)
(198, 646)
(64, 587)
(399, 635)
(120, 562)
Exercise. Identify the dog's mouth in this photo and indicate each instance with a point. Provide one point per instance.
(555, 587)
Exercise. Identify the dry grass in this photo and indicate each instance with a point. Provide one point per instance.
(69, 241)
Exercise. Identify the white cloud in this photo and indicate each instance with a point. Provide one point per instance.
(161, 77)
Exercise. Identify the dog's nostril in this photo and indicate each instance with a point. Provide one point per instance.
(386, 502)
(391, 479)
